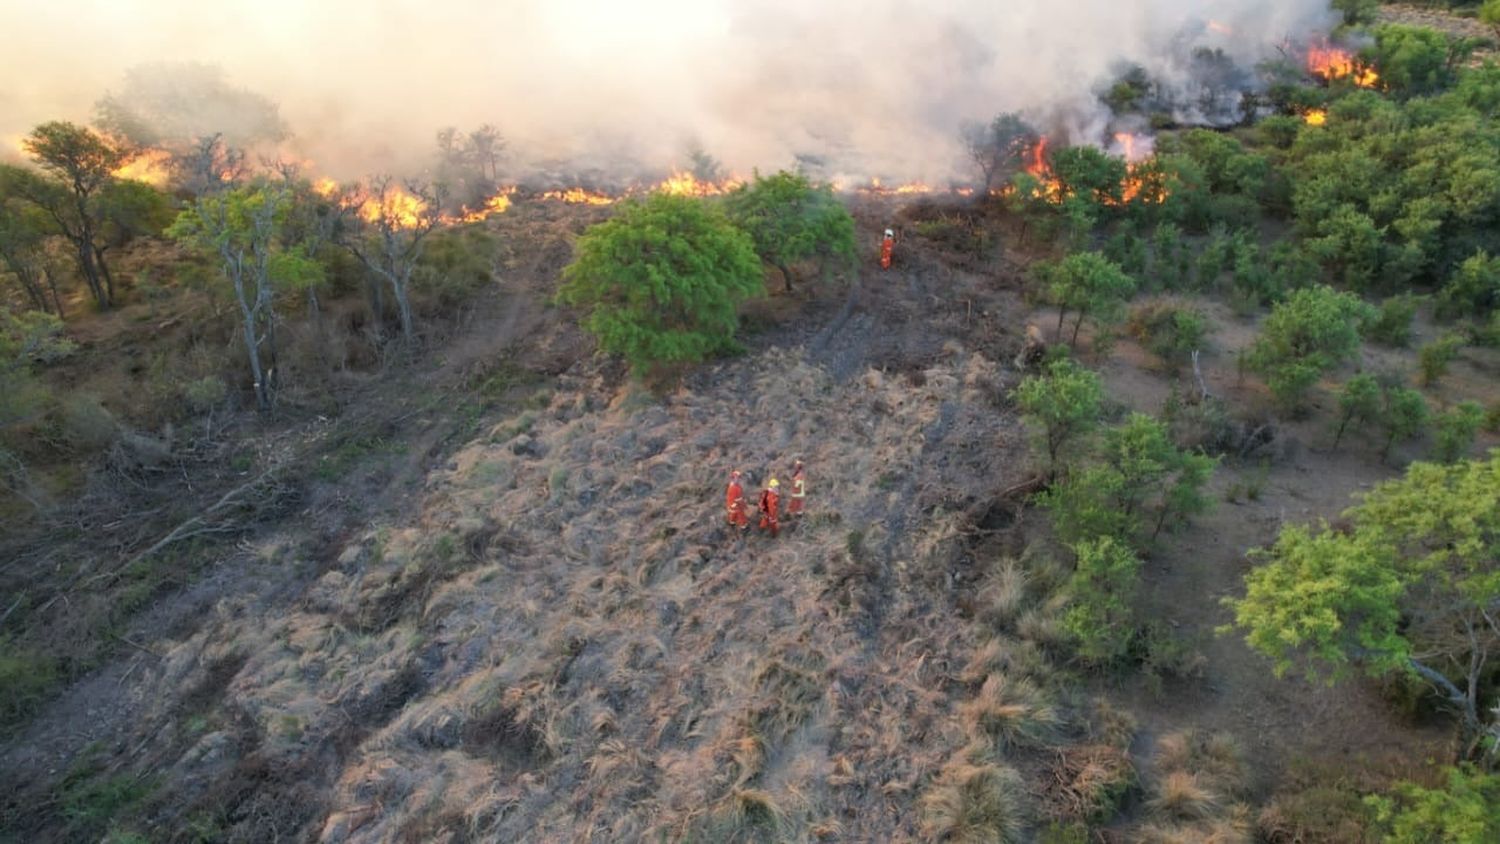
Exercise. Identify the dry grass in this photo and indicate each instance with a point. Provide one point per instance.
(1182, 796)
(1087, 783)
(1010, 712)
(975, 804)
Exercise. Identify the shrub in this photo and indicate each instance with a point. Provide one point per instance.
(663, 281)
(1456, 429)
(1392, 324)
(1064, 402)
(1359, 401)
(1468, 809)
(1168, 330)
(26, 677)
(970, 804)
(1434, 357)
(204, 394)
(1473, 289)
(85, 425)
(1404, 416)
(1089, 285)
(1314, 330)
(1100, 617)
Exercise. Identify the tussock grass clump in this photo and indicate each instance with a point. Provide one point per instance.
(1010, 712)
(975, 804)
(1214, 757)
(1181, 795)
(1003, 655)
(787, 693)
(1088, 783)
(746, 816)
(1002, 595)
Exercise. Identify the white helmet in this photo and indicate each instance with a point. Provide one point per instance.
(889, 233)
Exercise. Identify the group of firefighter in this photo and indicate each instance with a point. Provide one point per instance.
(768, 506)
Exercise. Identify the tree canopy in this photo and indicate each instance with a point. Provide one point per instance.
(662, 281)
(791, 219)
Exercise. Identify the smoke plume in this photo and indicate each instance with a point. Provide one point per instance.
(853, 89)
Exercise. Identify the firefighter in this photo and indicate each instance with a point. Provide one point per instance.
(770, 501)
(734, 503)
(887, 244)
(799, 492)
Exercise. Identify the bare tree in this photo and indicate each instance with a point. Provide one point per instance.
(999, 148)
(389, 233)
(210, 165)
(485, 148)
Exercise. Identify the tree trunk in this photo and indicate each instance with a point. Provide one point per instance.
(1339, 435)
(52, 285)
(1076, 325)
(403, 304)
(91, 274)
(786, 275)
(109, 279)
(1062, 313)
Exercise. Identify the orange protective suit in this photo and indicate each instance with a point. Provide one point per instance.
(799, 493)
(886, 246)
(734, 505)
(770, 518)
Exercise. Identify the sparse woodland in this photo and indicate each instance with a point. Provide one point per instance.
(1155, 496)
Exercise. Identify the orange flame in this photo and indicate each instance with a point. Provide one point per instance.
(875, 188)
(686, 184)
(1329, 63)
(396, 207)
(325, 187)
(497, 204)
(578, 196)
(1048, 188)
(151, 166)
(1316, 117)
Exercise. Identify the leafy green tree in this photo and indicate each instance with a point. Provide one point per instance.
(1064, 403)
(1314, 330)
(1089, 174)
(1085, 505)
(1467, 809)
(1433, 358)
(1359, 401)
(77, 165)
(1456, 428)
(1416, 60)
(1392, 324)
(1100, 616)
(790, 219)
(1170, 258)
(240, 229)
(1473, 289)
(1403, 417)
(1411, 587)
(663, 280)
(1088, 285)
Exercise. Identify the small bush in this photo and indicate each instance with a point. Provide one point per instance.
(1455, 430)
(204, 394)
(26, 678)
(1391, 325)
(1434, 358)
(1168, 330)
(1182, 796)
(1010, 712)
(1101, 616)
(84, 425)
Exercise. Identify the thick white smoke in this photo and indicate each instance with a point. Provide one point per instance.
(870, 87)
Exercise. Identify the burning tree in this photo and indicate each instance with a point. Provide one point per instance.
(791, 219)
(81, 165)
(387, 232)
(241, 228)
(1000, 148)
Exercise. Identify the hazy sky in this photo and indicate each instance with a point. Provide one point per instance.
(879, 86)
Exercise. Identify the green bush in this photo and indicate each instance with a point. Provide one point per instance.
(1168, 329)
(1433, 358)
(1455, 430)
(1065, 403)
(1314, 330)
(26, 678)
(663, 281)
(1391, 325)
(204, 394)
(85, 425)
(1467, 810)
(1100, 617)
(791, 219)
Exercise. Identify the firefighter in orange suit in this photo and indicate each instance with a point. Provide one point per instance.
(734, 503)
(887, 244)
(770, 502)
(799, 491)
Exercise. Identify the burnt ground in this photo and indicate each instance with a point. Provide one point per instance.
(530, 625)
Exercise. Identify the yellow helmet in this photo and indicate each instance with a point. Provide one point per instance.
(774, 483)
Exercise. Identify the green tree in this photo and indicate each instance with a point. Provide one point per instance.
(1064, 402)
(1433, 358)
(1466, 810)
(1085, 505)
(23, 252)
(1403, 417)
(1411, 587)
(1349, 243)
(1415, 60)
(790, 219)
(77, 165)
(1088, 285)
(1309, 333)
(1359, 401)
(240, 228)
(1456, 428)
(1100, 615)
(663, 281)
(1473, 289)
